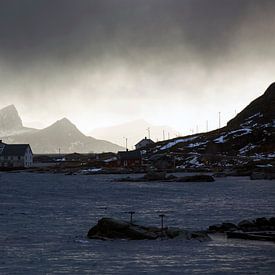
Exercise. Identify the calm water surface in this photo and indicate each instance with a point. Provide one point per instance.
(44, 220)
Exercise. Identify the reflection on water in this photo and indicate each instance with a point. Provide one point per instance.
(44, 220)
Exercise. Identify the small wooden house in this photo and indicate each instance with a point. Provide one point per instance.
(129, 159)
(144, 143)
(15, 155)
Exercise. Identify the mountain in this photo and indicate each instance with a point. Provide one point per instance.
(64, 136)
(9, 118)
(134, 131)
(248, 136)
(10, 122)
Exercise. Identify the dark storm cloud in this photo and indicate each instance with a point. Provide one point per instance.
(65, 30)
(81, 53)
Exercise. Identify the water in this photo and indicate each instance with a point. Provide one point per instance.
(44, 220)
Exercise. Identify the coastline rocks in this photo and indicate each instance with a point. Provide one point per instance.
(254, 236)
(259, 224)
(262, 176)
(108, 228)
(150, 176)
(221, 228)
(161, 176)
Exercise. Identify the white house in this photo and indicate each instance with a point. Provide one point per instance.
(144, 143)
(15, 155)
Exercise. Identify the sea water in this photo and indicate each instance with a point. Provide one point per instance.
(44, 219)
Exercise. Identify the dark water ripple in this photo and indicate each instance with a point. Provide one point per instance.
(44, 220)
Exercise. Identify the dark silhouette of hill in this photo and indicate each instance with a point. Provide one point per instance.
(250, 134)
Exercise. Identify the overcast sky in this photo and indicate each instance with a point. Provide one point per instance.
(102, 62)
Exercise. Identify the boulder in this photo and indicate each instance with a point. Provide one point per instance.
(108, 228)
(246, 225)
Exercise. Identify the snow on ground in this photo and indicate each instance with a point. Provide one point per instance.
(263, 156)
(90, 171)
(197, 144)
(236, 133)
(110, 159)
(264, 165)
(247, 148)
(194, 161)
(253, 116)
(176, 141)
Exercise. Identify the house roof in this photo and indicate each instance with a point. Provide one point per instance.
(129, 155)
(148, 140)
(14, 149)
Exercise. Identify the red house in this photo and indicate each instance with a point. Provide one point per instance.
(129, 158)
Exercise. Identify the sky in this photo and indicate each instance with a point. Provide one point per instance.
(104, 62)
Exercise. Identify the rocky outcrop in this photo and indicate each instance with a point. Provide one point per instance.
(161, 176)
(261, 229)
(108, 228)
(151, 176)
(262, 176)
(259, 224)
(224, 227)
(255, 236)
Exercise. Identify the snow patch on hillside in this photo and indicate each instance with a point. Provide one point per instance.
(234, 134)
(197, 144)
(174, 142)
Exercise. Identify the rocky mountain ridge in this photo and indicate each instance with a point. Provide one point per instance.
(62, 136)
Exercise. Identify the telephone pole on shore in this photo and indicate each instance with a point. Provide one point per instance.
(149, 133)
(126, 143)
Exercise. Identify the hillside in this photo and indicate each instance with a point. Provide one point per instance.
(248, 136)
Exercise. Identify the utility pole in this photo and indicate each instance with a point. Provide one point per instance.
(163, 134)
(126, 143)
(197, 129)
(206, 125)
(148, 129)
(168, 135)
(131, 216)
(219, 119)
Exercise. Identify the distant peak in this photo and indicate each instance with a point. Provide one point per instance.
(10, 107)
(64, 120)
(9, 118)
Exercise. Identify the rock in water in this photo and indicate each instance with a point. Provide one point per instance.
(108, 228)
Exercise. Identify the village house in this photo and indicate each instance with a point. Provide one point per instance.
(144, 143)
(129, 159)
(15, 155)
